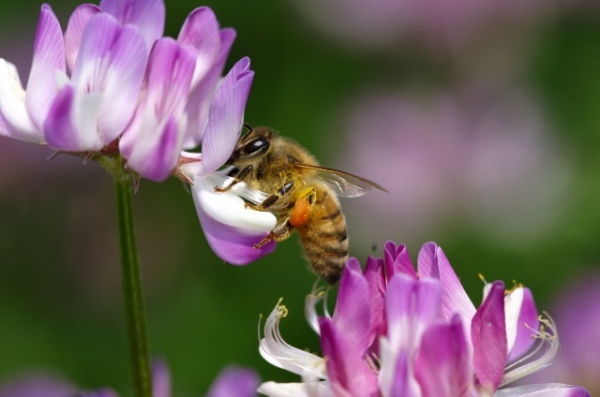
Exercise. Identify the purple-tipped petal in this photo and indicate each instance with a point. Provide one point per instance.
(374, 274)
(201, 31)
(397, 260)
(226, 116)
(347, 370)
(410, 307)
(59, 130)
(232, 381)
(111, 61)
(62, 130)
(402, 382)
(432, 262)
(122, 84)
(169, 75)
(443, 367)
(203, 92)
(48, 59)
(547, 390)
(230, 228)
(488, 333)
(353, 308)
(159, 160)
(227, 37)
(161, 379)
(152, 143)
(232, 245)
(525, 326)
(147, 16)
(77, 23)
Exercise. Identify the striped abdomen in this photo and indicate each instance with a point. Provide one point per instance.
(324, 236)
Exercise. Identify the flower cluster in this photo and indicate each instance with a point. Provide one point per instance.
(111, 83)
(396, 332)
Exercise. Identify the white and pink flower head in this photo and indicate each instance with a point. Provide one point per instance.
(396, 332)
(112, 85)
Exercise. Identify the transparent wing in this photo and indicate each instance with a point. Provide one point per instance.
(343, 183)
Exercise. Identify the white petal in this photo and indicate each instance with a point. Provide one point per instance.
(512, 310)
(311, 389)
(228, 208)
(281, 354)
(12, 106)
(86, 111)
(545, 390)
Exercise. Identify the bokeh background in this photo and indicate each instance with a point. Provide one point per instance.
(482, 119)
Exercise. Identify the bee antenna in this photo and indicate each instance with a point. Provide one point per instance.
(249, 127)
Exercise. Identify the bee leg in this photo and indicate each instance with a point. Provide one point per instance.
(282, 231)
(272, 199)
(239, 177)
(269, 201)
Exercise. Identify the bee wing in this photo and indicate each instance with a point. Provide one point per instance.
(343, 183)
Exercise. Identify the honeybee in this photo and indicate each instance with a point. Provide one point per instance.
(302, 195)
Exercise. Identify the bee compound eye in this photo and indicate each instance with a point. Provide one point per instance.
(256, 146)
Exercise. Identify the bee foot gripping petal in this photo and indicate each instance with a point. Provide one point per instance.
(231, 229)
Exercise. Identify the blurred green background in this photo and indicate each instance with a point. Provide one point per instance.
(60, 302)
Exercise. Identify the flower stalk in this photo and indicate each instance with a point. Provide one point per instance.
(133, 295)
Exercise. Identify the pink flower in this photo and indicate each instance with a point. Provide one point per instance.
(394, 333)
(113, 85)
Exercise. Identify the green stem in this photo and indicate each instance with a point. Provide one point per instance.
(132, 288)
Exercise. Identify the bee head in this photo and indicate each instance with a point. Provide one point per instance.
(256, 142)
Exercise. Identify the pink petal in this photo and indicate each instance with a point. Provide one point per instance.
(122, 84)
(376, 281)
(432, 262)
(158, 162)
(347, 370)
(226, 116)
(203, 92)
(527, 325)
(201, 31)
(161, 379)
(410, 307)
(352, 308)
(153, 141)
(77, 23)
(443, 367)
(62, 130)
(110, 63)
(488, 333)
(48, 59)
(235, 382)
(148, 17)
(98, 38)
(169, 75)
(61, 133)
(402, 383)
(397, 260)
